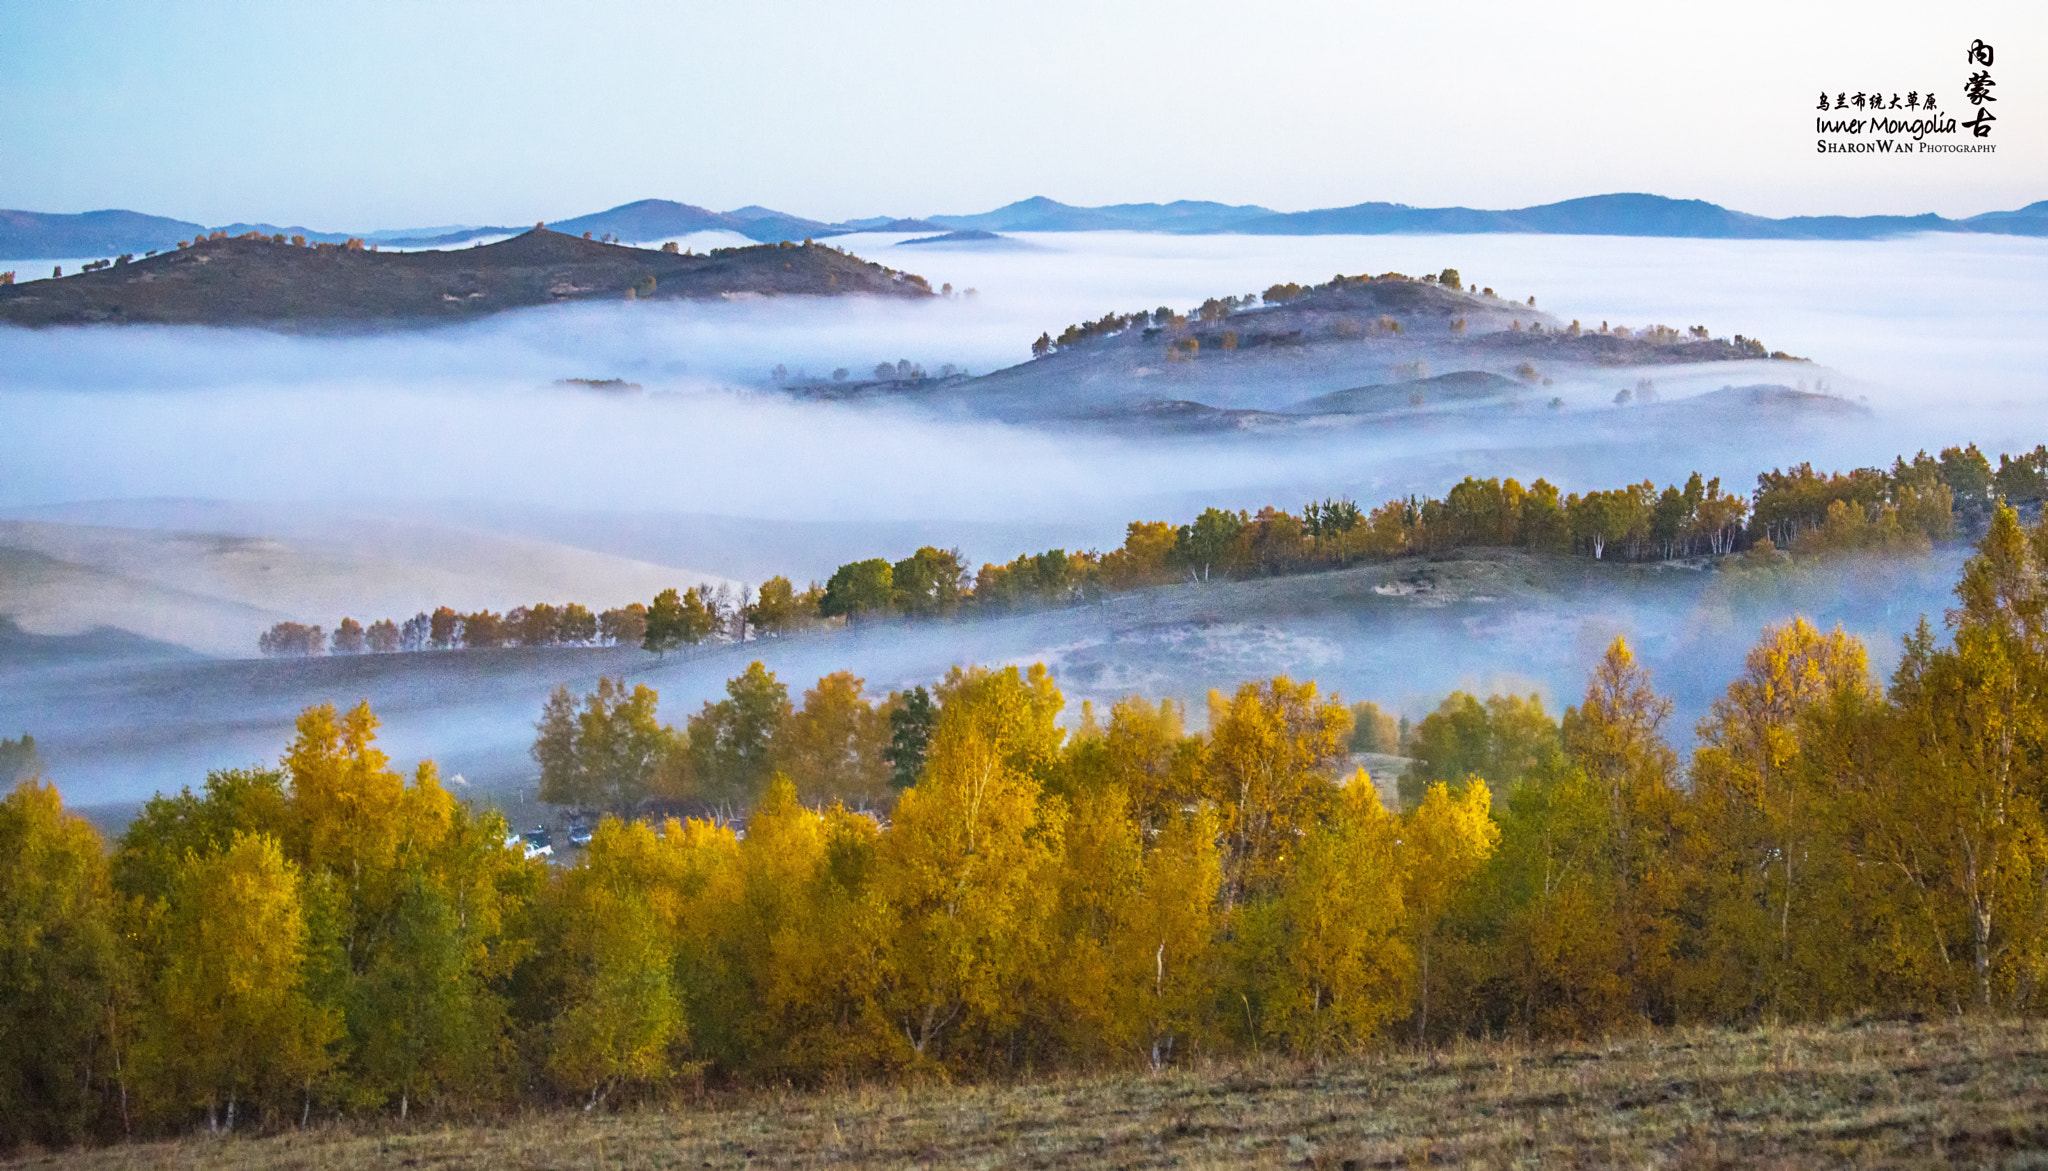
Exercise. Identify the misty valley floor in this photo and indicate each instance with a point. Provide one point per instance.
(1881, 1094)
(1404, 633)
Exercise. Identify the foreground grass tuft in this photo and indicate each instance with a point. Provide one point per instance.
(1887, 1094)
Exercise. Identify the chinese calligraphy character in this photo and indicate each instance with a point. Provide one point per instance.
(1978, 88)
(1927, 103)
(1823, 101)
(1981, 124)
(1978, 53)
(1913, 100)
(1895, 102)
(1858, 101)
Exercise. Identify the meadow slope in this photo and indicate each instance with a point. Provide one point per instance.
(1889, 1094)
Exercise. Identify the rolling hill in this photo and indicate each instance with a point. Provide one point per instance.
(255, 280)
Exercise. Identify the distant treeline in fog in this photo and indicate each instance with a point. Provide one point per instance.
(1912, 505)
(330, 938)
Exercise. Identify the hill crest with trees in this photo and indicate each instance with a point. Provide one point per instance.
(290, 282)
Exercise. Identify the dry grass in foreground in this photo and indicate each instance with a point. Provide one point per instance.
(1891, 1094)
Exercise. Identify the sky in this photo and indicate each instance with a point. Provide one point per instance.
(369, 116)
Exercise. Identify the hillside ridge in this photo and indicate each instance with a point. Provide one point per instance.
(257, 280)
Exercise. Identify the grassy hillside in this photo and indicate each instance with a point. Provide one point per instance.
(265, 281)
(1892, 1094)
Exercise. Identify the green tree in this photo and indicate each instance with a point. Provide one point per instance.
(700, 616)
(1615, 736)
(858, 590)
(1208, 543)
(927, 583)
(911, 720)
(1502, 740)
(423, 1019)
(667, 626)
(730, 745)
(621, 1021)
(19, 760)
(605, 754)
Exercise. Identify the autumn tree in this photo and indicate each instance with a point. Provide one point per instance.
(1759, 825)
(966, 866)
(728, 746)
(624, 625)
(349, 638)
(1273, 754)
(485, 628)
(832, 747)
(383, 637)
(1142, 560)
(605, 753)
(777, 610)
(1615, 737)
(228, 1021)
(63, 974)
(1444, 841)
(1320, 955)
(444, 628)
(291, 639)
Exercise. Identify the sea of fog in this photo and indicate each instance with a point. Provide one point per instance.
(1944, 339)
(1942, 336)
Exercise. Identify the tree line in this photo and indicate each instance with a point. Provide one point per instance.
(332, 937)
(444, 628)
(1214, 309)
(1906, 508)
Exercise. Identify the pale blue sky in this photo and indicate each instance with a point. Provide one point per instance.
(363, 116)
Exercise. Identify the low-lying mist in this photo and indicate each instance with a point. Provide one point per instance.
(1498, 622)
(709, 466)
(1940, 335)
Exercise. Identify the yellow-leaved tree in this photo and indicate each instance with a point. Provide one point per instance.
(967, 866)
(1615, 738)
(63, 979)
(831, 748)
(619, 1018)
(1445, 839)
(1323, 957)
(229, 1023)
(1273, 752)
(1953, 805)
(1767, 936)
(822, 972)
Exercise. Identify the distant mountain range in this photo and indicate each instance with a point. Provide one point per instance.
(28, 235)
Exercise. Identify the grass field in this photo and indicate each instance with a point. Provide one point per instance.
(1889, 1094)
